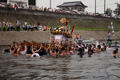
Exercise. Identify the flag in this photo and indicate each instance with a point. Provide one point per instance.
(72, 29)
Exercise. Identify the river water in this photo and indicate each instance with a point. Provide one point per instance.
(101, 66)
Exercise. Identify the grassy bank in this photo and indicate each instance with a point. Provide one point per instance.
(96, 29)
(81, 24)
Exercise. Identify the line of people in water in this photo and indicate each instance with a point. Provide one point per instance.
(56, 48)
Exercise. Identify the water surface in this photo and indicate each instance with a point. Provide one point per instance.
(101, 66)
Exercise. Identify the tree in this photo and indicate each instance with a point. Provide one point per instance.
(108, 12)
(117, 10)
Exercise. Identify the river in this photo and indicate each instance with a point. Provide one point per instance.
(101, 66)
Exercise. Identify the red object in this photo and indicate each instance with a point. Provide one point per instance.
(72, 29)
(15, 6)
(67, 21)
(77, 36)
(45, 28)
(23, 49)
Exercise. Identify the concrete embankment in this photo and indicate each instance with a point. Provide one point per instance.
(6, 38)
(52, 19)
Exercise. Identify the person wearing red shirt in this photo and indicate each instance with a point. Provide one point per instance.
(45, 28)
(15, 6)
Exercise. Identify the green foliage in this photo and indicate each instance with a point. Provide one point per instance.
(108, 12)
(117, 10)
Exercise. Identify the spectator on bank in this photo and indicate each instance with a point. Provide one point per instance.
(9, 6)
(45, 28)
(42, 8)
(112, 28)
(12, 26)
(51, 28)
(25, 23)
(113, 32)
(35, 27)
(109, 28)
(18, 25)
(15, 6)
(40, 27)
(45, 9)
(4, 25)
(26, 7)
(23, 26)
(30, 27)
(8, 26)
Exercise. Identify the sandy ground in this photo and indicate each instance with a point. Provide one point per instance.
(6, 38)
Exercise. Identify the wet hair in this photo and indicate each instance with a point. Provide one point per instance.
(69, 48)
(29, 52)
(117, 49)
(104, 44)
(34, 56)
(85, 47)
(99, 47)
(53, 50)
(80, 50)
(56, 49)
(12, 48)
(90, 46)
(29, 47)
(63, 48)
(37, 48)
(34, 49)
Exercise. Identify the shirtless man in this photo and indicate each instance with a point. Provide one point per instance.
(115, 53)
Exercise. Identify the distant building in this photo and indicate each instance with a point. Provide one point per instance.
(73, 6)
(20, 2)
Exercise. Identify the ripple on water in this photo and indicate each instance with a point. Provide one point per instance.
(98, 67)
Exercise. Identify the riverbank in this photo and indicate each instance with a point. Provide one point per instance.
(82, 22)
(7, 37)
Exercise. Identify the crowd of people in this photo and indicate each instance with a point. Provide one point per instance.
(9, 26)
(9, 6)
(15, 6)
(56, 48)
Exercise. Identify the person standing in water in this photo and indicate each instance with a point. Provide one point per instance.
(109, 38)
